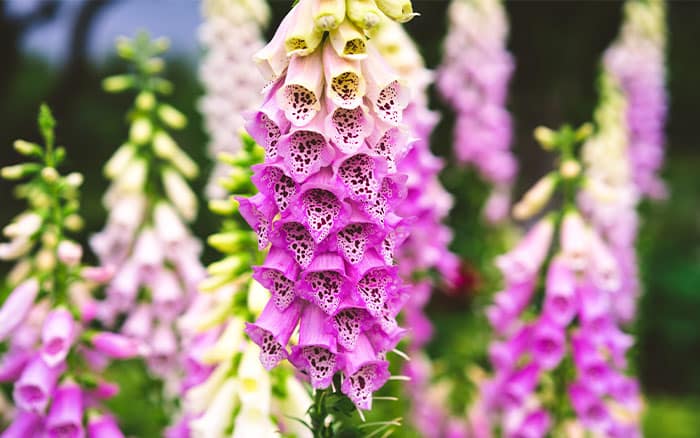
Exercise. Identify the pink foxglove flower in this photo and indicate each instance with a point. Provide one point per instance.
(231, 33)
(332, 125)
(474, 79)
(577, 319)
(146, 241)
(46, 316)
(623, 158)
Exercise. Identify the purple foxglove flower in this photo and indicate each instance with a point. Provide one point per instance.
(36, 385)
(26, 424)
(163, 349)
(508, 304)
(148, 253)
(17, 305)
(168, 296)
(316, 351)
(605, 271)
(324, 283)
(65, 418)
(523, 262)
(116, 346)
(592, 369)
(57, 336)
(519, 386)
(364, 373)
(305, 150)
(504, 355)
(276, 184)
(300, 96)
(139, 323)
(272, 331)
(575, 238)
(590, 410)
(548, 343)
(103, 426)
(258, 211)
(560, 293)
(13, 363)
(535, 425)
(278, 275)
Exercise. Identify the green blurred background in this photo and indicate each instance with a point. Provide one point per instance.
(58, 52)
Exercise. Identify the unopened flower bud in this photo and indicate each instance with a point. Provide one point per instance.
(141, 130)
(364, 13)
(115, 84)
(328, 14)
(73, 223)
(119, 160)
(27, 148)
(45, 260)
(145, 101)
(116, 346)
(535, 198)
(545, 137)
(69, 252)
(171, 116)
(223, 207)
(74, 179)
(570, 169)
(399, 10)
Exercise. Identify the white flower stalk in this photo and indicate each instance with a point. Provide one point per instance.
(230, 33)
(146, 241)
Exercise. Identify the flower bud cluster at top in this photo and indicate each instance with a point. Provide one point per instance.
(231, 33)
(226, 386)
(534, 371)
(49, 353)
(333, 133)
(473, 80)
(146, 241)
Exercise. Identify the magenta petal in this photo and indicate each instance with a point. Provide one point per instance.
(25, 424)
(104, 426)
(66, 416)
(316, 351)
(35, 385)
(258, 211)
(57, 336)
(272, 331)
(271, 180)
(278, 275)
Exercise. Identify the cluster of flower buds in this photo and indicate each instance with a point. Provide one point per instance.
(582, 277)
(146, 241)
(636, 62)
(226, 385)
(332, 130)
(231, 33)
(49, 353)
(474, 79)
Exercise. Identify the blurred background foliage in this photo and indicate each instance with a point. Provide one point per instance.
(557, 46)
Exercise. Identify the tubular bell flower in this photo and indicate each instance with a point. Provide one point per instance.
(577, 315)
(332, 125)
(474, 79)
(231, 33)
(47, 352)
(146, 242)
